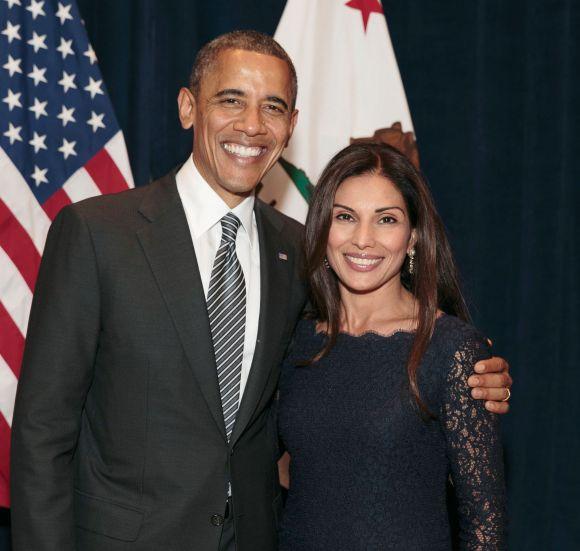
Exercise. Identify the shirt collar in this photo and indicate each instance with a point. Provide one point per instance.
(205, 206)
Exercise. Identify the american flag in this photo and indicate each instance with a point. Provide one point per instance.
(59, 143)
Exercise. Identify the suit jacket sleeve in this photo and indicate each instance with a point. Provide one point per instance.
(56, 375)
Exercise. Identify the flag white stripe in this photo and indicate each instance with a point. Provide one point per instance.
(8, 383)
(81, 186)
(15, 294)
(118, 151)
(17, 196)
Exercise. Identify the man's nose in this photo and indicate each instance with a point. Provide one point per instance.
(250, 122)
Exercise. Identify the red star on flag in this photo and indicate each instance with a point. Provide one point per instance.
(366, 7)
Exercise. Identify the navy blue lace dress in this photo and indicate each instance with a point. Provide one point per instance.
(367, 472)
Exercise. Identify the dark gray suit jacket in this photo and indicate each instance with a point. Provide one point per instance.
(118, 436)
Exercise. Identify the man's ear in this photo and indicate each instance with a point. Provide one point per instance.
(293, 121)
(186, 108)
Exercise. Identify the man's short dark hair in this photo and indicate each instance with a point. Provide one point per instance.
(251, 41)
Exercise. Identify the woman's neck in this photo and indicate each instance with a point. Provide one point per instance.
(387, 309)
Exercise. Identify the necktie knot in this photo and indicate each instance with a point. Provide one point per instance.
(230, 224)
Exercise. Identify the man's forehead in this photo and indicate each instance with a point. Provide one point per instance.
(245, 70)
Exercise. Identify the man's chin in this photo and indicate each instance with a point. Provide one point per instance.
(245, 185)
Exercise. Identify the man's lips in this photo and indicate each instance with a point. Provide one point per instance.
(362, 262)
(243, 152)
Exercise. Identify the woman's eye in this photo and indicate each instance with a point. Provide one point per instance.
(387, 220)
(344, 216)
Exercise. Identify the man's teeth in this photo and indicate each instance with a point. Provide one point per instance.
(242, 150)
(363, 261)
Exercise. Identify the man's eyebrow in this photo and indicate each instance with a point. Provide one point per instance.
(240, 94)
(229, 92)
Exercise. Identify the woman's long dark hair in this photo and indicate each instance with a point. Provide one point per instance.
(434, 282)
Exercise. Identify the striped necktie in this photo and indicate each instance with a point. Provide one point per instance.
(226, 306)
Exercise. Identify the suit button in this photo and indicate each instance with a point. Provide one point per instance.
(217, 520)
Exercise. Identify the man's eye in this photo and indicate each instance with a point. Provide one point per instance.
(231, 101)
(274, 109)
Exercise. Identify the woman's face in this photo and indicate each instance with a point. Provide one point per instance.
(370, 233)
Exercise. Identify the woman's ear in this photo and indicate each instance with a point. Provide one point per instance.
(412, 240)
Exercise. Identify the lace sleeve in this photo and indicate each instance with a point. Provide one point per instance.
(475, 454)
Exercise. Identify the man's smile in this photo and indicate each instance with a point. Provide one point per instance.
(243, 151)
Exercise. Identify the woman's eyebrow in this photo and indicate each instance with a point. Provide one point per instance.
(383, 209)
(338, 205)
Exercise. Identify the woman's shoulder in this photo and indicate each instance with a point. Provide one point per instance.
(458, 342)
(455, 331)
(305, 328)
(305, 341)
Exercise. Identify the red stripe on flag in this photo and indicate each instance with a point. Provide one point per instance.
(105, 173)
(4, 463)
(11, 341)
(18, 245)
(56, 202)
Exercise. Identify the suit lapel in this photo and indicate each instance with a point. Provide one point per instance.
(276, 267)
(167, 244)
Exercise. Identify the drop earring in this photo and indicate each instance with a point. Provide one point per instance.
(411, 254)
(326, 263)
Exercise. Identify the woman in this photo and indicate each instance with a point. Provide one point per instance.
(374, 407)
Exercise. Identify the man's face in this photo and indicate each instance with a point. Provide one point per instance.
(242, 121)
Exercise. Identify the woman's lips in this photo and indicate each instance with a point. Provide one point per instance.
(362, 262)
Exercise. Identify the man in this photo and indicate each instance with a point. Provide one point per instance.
(143, 416)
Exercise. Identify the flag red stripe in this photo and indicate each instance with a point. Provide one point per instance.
(11, 341)
(18, 245)
(4, 463)
(55, 202)
(105, 173)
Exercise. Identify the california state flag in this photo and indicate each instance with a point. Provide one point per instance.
(349, 87)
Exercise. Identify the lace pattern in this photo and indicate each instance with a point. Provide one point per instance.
(474, 452)
(367, 471)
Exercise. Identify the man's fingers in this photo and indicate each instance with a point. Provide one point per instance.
(493, 394)
(491, 380)
(497, 407)
(284, 470)
(492, 365)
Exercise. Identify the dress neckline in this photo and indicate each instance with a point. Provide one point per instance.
(373, 333)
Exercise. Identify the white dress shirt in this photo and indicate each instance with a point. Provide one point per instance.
(204, 209)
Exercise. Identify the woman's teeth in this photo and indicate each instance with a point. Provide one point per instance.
(363, 261)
